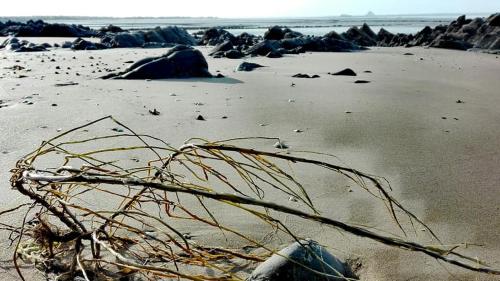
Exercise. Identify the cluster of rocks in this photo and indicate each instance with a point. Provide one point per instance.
(157, 37)
(276, 42)
(40, 28)
(461, 34)
(14, 44)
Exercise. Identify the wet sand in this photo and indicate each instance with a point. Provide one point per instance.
(441, 157)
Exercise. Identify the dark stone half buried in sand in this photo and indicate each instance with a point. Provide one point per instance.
(302, 75)
(248, 66)
(304, 261)
(345, 72)
(180, 62)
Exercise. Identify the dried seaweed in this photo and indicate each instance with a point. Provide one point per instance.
(106, 213)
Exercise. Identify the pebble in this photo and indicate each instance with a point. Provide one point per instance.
(200, 118)
(280, 145)
(119, 130)
(298, 131)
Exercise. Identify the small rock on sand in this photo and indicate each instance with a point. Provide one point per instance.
(345, 72)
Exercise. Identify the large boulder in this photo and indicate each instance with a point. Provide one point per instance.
(304, 261)
(180, 62)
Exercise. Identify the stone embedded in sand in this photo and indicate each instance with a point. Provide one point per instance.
(302, 261)
(302, 75)
(361, 82)
(345, 72)
(248, 66)
(200, 118)
(180, 62)
(280, 145)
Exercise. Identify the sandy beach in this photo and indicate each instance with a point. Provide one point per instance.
(441, 157)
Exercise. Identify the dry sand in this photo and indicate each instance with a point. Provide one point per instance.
(445, 170)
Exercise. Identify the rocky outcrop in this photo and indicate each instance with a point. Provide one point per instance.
(163, 35)
(180, 62)
(40, 28)
(461, 34)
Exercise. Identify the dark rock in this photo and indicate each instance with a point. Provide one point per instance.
(111, 29)
(302, 261)
(200, 118)
(368, 31)
(222, 47)
(302, 75)
(359, 37)
(215, 36)
(180, 62)
(219, 75)
(263, 48)
(345, 72)
(361, 82)
(82, 44)
(333, 35)
(274, 33)
(494, 20)
(248, 66)
(233, 54)
(450, 42)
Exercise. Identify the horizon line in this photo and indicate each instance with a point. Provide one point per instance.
(217, 17)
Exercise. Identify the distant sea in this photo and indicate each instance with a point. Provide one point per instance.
(308, 26)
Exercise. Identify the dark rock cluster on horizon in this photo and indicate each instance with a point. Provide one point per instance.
(180, 62)
(40, 28)
(461, 34)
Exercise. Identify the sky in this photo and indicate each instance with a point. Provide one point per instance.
(240, 8)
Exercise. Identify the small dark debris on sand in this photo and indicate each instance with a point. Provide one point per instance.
(408, 54)
(154, 112)
(361, 82)
(345, 72)
(200, 118)
(66, 84)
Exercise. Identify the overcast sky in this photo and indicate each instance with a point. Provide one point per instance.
(238, 8)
